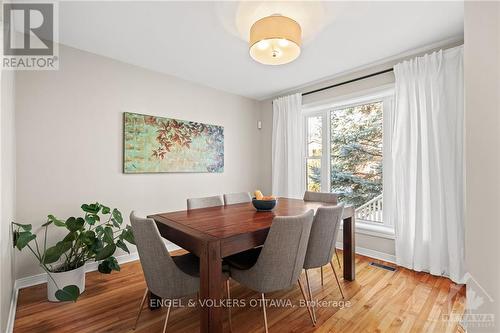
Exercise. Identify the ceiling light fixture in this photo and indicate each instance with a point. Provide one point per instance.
(275, 40)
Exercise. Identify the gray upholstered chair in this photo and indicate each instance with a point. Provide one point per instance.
(236, 198)
(321, 245)
(276, 265)
(330, 198)
(167, 277)
(195, 203)
(327, 198)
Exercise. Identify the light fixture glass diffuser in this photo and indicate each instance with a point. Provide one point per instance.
(275, 40)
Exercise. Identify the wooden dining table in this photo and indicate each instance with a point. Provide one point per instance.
(217, 232)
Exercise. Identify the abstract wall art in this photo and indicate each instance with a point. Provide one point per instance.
(156, 144)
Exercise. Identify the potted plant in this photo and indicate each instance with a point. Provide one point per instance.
(93, 237)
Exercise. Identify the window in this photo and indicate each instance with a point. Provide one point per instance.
(314, 152)
(345, 146)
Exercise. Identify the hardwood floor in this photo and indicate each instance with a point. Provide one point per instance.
(378, 301)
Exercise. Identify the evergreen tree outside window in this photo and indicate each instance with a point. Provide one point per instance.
(344, 152)
(356, 153)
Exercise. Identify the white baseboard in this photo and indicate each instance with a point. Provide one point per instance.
(42, 278)
(89, 267)
(371, 253)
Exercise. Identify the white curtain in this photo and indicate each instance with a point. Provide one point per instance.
(427, 161)
(288, 170)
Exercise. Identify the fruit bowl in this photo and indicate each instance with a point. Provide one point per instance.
(264, 205)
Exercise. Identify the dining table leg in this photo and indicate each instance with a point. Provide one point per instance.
(211, 288)
(349, 248)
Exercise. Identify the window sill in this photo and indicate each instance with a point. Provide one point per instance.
(371, 229)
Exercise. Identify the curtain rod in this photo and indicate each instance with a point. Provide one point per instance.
(349, 81)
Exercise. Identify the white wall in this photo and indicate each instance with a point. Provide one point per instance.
(69, 139)
(266, 116)
(7, 194)
(482, 142)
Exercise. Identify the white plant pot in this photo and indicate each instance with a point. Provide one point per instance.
(74, 277)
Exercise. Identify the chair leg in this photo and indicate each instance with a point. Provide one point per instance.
(264, 309)
(140, 308)
(310, 295)
(229, 306)
(322, 276)
(337, 278)
(338, 260)
(307, 302)
(166, 318)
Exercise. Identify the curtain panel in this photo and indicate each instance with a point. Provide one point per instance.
(288, 169)
(427, 162)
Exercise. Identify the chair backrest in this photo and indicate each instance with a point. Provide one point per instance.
(323, 236)
(235, 198)
(163, 277)
(330, 198)
(282, 257)
(194, 203)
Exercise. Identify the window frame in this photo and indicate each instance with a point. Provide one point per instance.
(385, 95)
(325, 129)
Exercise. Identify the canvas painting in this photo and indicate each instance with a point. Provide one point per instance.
(156, 144)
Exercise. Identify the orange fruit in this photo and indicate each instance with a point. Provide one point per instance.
(258, 195)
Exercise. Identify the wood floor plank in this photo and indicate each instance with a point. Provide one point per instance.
(377, 301)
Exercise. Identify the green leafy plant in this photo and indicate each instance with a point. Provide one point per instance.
(93, 237)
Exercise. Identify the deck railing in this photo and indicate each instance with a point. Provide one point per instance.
(371, 210)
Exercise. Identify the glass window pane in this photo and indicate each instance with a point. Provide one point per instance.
(314, 136)
(356, 153)
(314, 174)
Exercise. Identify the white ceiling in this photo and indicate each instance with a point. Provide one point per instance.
(205, 42)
